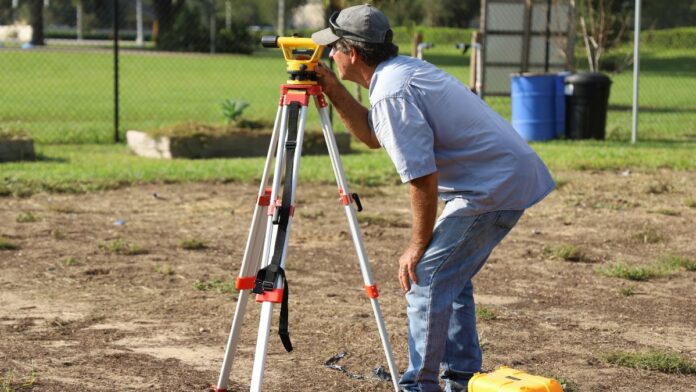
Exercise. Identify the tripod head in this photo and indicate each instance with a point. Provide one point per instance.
(301, 54)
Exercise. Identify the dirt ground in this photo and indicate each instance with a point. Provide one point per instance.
(77, 314)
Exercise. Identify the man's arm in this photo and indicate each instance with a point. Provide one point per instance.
(423, 193)
(352, 113)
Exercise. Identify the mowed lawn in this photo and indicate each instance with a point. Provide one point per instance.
(67, 95)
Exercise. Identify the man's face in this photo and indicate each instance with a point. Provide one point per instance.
(342, 60)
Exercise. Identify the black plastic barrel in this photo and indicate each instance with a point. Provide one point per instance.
(587, 101)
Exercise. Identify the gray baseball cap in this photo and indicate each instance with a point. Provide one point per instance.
(363, 23)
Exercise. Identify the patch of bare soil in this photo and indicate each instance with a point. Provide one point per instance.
(100, 294)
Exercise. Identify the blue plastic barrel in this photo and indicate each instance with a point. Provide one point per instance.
(534, 106)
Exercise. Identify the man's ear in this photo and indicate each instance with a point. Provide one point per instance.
(354, 57)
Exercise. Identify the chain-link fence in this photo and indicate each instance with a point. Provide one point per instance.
(179, 61)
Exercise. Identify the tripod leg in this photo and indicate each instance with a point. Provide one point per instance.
(250, 262)
(370, 287)
(267, 306)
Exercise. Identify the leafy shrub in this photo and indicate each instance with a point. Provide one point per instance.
(188, 34)
(235, 40)
(678, 38)
(232, 109)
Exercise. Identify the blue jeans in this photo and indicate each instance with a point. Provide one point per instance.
(441, 311)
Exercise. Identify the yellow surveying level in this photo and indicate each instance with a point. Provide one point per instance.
(301, 54)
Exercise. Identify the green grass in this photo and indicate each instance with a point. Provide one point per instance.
(625, 271)
(5, 244)
(662, 361)
(627, 291)
(11, 380)
(67, 95)
(484, 313)
(11, 131)
(86, 168)
(26, 217)
(220, 286)
(122, 247)
(164, 269)
(666, 265)
(676, 262)
(192, 244)
(567, 252)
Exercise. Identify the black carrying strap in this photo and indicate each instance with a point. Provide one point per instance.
(266, 277)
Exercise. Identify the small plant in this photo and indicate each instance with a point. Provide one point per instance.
(26, 217)
(218, 285)
(192, 244)
(10, 380)
(675, 262)
(647, 235)
(70, 261)
(232, 109)
(565, 383)
(666, 211)
(164, 269)
(627, 291)
(663, 361)
(624, 271)
(12, 131)
(5, 244)
(690, 202)
(121, 247)
(57, 234)
(567, 252)
(658, 188)
(31, 378)
(483, 313)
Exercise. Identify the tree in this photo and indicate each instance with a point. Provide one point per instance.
(451, 13)
(36, 8)
(660, 14)
(166, 12)
(603, 24)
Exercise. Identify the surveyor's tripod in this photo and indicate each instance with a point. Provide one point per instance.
(262, 271)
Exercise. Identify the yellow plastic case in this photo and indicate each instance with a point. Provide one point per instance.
(511, 380)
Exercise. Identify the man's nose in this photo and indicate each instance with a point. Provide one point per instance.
(332, 52)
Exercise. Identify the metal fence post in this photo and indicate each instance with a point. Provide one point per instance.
(636, 70)
(116, 111)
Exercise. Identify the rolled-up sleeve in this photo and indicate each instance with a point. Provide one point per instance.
(406, 136)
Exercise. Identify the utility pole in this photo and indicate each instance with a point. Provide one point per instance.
(78, 20)
(139, 22)
(228, 14)
(281, 18)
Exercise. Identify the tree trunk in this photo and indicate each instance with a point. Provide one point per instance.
(37, 21)
(165, 14)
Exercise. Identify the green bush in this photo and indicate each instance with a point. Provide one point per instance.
(443, 36)
(235, 40)
(678, 38)
(188, 34)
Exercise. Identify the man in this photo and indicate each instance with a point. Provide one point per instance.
(443, 140)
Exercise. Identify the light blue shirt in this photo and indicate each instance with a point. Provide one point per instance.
(428, 121)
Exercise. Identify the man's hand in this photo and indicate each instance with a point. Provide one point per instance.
(407, 267)
(327, 79)
(423, 194)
